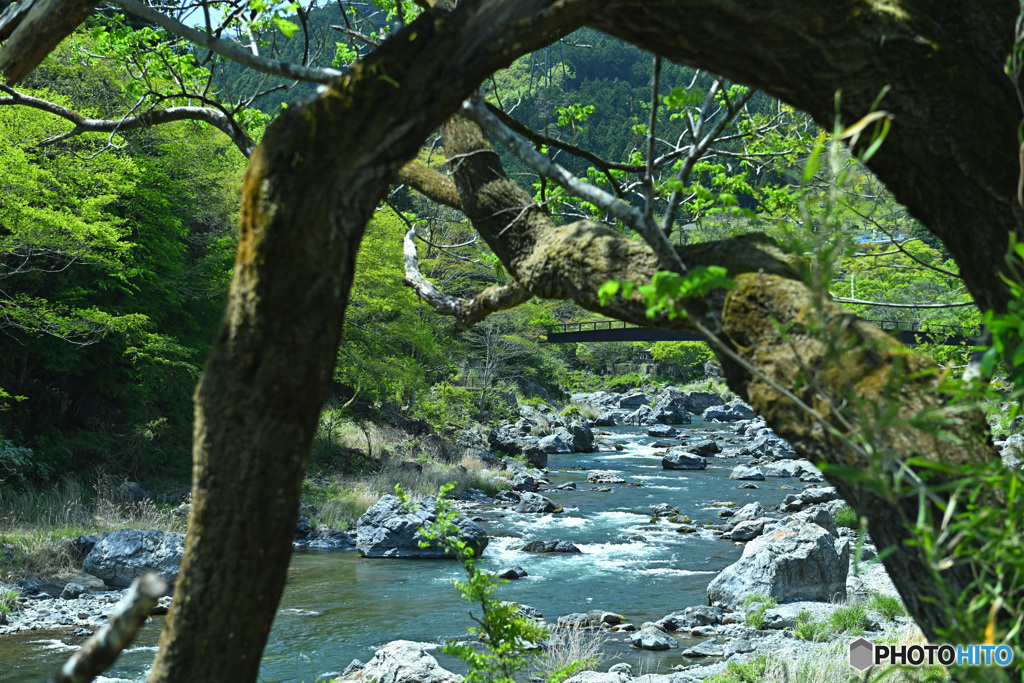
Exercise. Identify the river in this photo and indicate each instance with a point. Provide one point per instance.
(338, 606)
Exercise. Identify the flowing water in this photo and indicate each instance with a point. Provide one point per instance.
(338, 606)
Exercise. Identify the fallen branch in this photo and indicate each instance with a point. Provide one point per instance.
(101, 650)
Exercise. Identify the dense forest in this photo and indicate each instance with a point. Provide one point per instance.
(116, 249)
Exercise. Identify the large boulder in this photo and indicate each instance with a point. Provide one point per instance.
(651, 638)
(554, 443)
(545, 547)
(121, 556)
(401, 661)
(703, 447)
(670, 408)
(510, 440)
(536, 503)
(634, 399)
(642, 416)
(678, 459)
(768, 445)
(743, 472)
(697, 402)
(795, 561)
(795, 502)
(389, 529)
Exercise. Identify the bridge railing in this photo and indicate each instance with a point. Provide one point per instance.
(915, 327)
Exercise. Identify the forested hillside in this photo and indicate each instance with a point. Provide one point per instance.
(115, 254)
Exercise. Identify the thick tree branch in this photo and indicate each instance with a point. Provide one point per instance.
(630, 216)
(467, 312)
(32, 28)
(214, 117)
(226, 48)
(433, 185)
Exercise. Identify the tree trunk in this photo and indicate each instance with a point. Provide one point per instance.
(311, 187)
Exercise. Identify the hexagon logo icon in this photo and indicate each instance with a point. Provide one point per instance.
(862, 654)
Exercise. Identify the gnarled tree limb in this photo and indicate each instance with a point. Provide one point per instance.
(812, 369)
(467, 312)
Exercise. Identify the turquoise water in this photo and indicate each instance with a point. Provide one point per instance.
(338, 606)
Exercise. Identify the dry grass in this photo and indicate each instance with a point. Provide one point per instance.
(830, 664)
(569, 650)
(38, 525)
(342, 501)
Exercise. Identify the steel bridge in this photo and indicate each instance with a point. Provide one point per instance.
(618, 331)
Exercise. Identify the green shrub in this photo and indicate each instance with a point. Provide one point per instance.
(754, 671)
(755, 616)
(572, 411)
(446, 406)
(808, 629)
(627, 382)
(848, 517)
(688, 357)
(8, 599)
(852, 619)
(505, 634)
(889, 606)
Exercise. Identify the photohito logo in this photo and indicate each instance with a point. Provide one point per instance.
(863, 653)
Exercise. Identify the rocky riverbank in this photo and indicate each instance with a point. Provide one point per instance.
(793, 551)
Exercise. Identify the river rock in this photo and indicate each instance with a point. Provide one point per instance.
(672, 407)
(536, 503)
(749, 511)
(508, 440)
(545, 547)
(512, 573)
(83, 545)
(745, 531)
(72, 591)
(642, 416)
(121, 556)
(697, 402)
(703, 447)
(691, 617)
(605, 419)
(770, 446)
(326, 539)
(401, 661)
(634, 399)
(664, 510)
(651, 638)
(709, 648)
(553, 443)
(662, 431)
(524, 482)
(678, 459)
(797, 561)
(742, 472)
(604, 477)
(795, 502)
(388, 529)
(788, 468)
